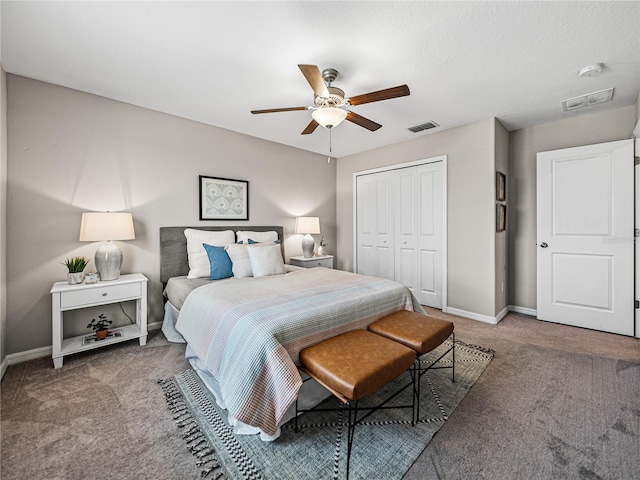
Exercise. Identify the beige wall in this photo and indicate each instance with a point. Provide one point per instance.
(3, 215)
(524, 144)
(502, 165)
(71, 152)
(470, 151)
(636, 130)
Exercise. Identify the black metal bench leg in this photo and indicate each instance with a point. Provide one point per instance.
(414, 396)
(417, 388)
(351, 430)
(453, 359)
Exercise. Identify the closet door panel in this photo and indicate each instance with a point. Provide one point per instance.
(407, 227)
(406, 268)
(428, 280)
(364, 218)
(374, 223)
(399, 221)
(431, 235)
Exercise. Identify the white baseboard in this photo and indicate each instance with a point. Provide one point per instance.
(473, 315)
(25, 356)
(3, 367)
(488, 319)
(523, 310)
(502, 314)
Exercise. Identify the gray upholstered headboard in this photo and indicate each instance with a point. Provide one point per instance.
(173, 247)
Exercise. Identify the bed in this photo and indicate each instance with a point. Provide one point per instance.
(244, 333)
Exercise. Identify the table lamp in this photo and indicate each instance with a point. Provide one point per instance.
(308, 226)
(107, 226)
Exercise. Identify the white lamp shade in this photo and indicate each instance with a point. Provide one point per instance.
(308, 225)
(329, 117)
(98, 226)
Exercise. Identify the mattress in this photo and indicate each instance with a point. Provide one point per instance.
(248, 332)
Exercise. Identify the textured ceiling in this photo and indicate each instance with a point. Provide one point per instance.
(213, 62)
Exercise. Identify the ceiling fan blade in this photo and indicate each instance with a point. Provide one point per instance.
(386, 94)
(273, 110)
(310, 128)
(362, 121)
(314, 77)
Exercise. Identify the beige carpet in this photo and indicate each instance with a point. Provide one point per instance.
(555, 402)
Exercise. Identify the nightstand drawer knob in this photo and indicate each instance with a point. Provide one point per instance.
(104, 294)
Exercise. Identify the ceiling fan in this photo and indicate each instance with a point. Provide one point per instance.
(329, 101)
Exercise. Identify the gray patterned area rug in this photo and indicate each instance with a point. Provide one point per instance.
(385, 444)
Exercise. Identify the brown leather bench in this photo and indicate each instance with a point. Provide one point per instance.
(422, 334)
(356, 364)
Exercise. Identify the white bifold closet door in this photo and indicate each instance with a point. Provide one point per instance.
(399, 219)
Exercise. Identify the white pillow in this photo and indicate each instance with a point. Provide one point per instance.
(258, 237)
(199, 265)
(266, 260)
(241, 264)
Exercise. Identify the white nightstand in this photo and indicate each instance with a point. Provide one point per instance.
(66, 297)
(323, 261)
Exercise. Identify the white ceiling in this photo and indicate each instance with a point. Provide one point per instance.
(213, 62)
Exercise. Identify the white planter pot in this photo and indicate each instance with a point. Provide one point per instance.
(75, 278)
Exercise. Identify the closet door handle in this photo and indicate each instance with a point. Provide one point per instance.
(543, 245)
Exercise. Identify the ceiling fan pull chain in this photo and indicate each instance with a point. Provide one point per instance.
(330, 140)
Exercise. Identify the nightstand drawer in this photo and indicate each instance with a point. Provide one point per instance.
(321, 262)
(99, 294)
(311, 262)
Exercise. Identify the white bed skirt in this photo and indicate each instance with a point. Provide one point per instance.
(169, 324)
(311, 393)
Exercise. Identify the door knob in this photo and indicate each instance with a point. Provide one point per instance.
(543, 245)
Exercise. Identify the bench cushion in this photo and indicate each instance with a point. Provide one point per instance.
(357, 363)
(419, 332)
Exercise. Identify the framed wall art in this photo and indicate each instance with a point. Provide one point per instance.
(501, 217)
(501, 187)
(223, 199)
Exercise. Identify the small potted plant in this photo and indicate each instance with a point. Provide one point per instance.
(101, 326)
(76, 266)
(322, 248)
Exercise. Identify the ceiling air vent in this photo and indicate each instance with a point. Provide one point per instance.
(424, 126)
(588, 100)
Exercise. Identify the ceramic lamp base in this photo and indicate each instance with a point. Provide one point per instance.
(108, 261)
(308, 244)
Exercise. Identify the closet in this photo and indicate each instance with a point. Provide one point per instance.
(400, 227)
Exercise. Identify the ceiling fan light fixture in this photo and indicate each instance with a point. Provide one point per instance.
(329, 117)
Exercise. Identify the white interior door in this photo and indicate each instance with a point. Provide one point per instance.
(585, 236)
(419, 232)
(406, 225)
(374, 235)
(637, 245)
(400, 227)
(431, 236)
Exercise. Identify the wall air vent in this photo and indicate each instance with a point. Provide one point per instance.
(588, 100)
(424, 126)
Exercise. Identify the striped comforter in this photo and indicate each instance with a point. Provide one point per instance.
(249, 331)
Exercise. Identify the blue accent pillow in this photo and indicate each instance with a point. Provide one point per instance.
(253, 242)
(221, 266)
(249, 242)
